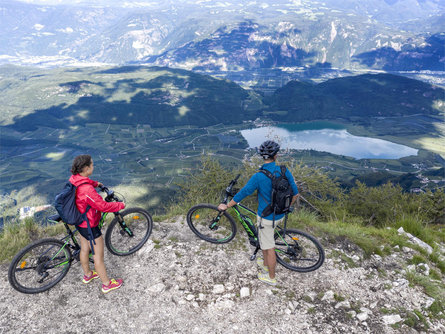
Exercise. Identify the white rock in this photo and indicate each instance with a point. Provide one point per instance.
(407, 249)
(365, 310)
(287, 311)
(328, 296)
(218, 288)
(190, 297)
(376, 257)
(226, 303)
(157, 288)
(148, 247)
(423, 268)
(356, 258)
(416, 240)
(343, 304)
(401, 282)
(411, 267)
(201, 296)
(352, 313)
(362, 316)
(391, 319)
(428, 302)
(244, 292)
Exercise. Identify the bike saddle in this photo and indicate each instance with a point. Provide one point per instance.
(55, 217)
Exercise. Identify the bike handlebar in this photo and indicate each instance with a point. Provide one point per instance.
(229, 189)
(111, 197)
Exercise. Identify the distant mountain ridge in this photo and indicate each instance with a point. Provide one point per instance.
(235, 35)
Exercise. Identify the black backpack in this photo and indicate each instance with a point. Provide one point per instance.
(65, 204)
(281, 195)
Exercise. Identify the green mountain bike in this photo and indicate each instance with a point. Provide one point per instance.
(44, 263)
(295, 250)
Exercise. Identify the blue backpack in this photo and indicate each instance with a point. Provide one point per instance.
(65, 204)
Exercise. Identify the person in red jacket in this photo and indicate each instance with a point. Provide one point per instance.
(86, 196)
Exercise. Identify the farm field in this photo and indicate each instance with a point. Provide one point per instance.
(146, 164)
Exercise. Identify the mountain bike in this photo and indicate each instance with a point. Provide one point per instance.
(295, 250)
(44, 263)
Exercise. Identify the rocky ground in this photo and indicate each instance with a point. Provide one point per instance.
(178, 283)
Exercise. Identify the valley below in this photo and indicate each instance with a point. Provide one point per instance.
(147, 128)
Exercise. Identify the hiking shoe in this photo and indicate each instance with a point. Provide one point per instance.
(260, 263)
(87, 279)
(264, 277)
(113, 285)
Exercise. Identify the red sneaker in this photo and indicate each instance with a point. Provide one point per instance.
(87, 279)
(113, 285)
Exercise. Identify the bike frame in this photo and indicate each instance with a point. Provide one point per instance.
(71, 236)
(245, 221)
(251, 229)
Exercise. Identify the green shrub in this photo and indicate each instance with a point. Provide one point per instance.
(17, 235)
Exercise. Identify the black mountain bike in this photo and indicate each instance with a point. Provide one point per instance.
(295, 250)
(44, 263)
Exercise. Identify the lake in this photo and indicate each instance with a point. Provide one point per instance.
(327, 137)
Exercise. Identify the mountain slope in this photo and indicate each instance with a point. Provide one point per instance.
(133, 95)
(364, 96)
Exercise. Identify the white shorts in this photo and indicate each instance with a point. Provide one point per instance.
(266, 234)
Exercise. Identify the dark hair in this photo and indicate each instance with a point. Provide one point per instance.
(80, 162)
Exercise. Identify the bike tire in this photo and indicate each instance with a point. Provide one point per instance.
(298, 251)
(210, 224)
(123, 240)
(39, 266)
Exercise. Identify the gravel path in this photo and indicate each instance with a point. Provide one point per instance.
(180, 284)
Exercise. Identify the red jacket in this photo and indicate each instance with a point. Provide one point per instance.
(87, 195)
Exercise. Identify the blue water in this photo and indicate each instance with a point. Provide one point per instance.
(327, 137)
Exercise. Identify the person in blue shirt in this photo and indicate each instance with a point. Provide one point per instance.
(263, 184)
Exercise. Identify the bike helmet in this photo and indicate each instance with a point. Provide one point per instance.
(268, 149)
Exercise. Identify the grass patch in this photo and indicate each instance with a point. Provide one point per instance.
(417, 259)
(339, 298)
(435, 258)
(414, 226)
(17, 235)
(433, 289)
(157, 243)
(416, 320)
(368, 238)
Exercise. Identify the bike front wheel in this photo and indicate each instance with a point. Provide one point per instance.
(298, 251)
(210, 224)
(39, 266)
(128, 231)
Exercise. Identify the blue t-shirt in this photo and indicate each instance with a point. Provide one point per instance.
(260, 182)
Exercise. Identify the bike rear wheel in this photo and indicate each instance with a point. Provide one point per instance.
(129, 231)
(39, 266)
(298, 251)
(210, 224)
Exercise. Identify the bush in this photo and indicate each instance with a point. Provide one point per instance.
(17, 235)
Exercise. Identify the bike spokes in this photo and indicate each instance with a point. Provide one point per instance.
(129, 231)
(210, 224)
(39, 266)
(298, 251)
